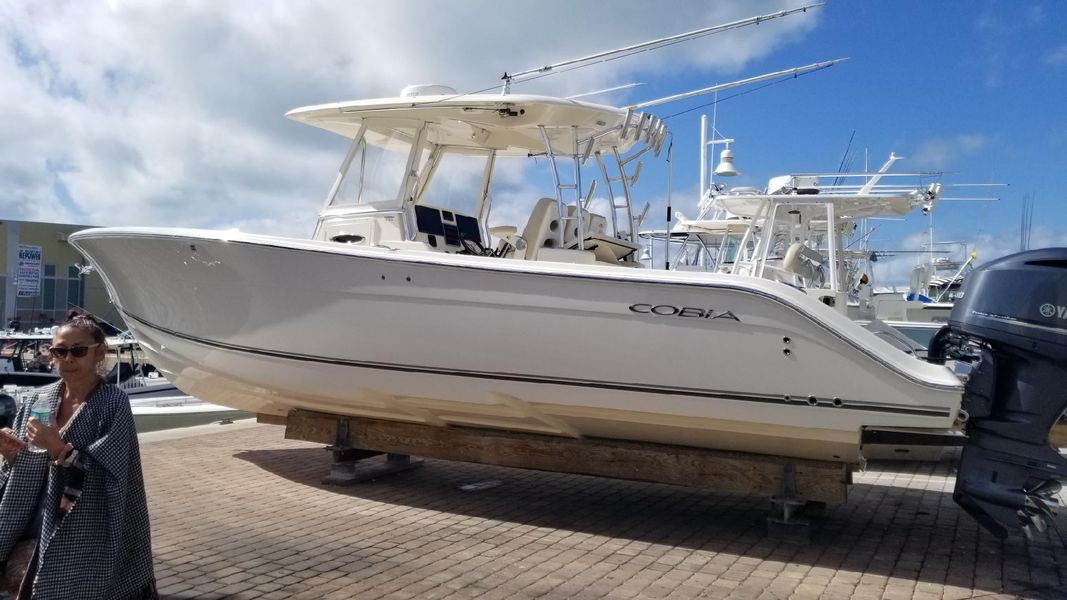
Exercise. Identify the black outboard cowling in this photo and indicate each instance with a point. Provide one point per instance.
(1012, 324)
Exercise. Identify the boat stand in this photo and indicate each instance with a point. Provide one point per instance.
(788, 521)
(348, 465)
(798, 482)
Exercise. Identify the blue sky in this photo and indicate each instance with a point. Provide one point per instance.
(154, 114)
(972, 89)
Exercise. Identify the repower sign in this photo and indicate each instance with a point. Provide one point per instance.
(28, 276)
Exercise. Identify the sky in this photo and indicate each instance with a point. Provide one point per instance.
(172, 114)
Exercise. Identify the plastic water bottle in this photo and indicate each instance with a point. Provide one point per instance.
(42, 411)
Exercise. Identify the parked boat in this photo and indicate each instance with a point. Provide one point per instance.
(403, 307)
(24, 359)
(156, 402)
(936, 283)
(154, 414)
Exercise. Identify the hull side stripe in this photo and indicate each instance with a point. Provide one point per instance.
(797, 400)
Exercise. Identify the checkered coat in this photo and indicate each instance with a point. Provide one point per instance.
(100, 546)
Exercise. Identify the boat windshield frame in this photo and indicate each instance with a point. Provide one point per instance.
(411, 141)
(403, 149)
(429, 171)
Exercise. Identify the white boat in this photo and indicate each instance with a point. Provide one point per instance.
(400, 307)
(808, 230)
(24, 359)
(936, 284)
(552, 338)
(182, 410)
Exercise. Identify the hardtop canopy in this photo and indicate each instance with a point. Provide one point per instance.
(510, 124)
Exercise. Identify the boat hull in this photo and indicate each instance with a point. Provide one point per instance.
(270, 324)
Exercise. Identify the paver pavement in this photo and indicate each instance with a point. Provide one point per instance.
(240, 513)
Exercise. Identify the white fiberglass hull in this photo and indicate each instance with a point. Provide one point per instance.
(157, 413)
(269, 324)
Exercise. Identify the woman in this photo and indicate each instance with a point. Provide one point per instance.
(75, 512)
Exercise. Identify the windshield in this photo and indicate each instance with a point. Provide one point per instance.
(456, 183)
(377, 169)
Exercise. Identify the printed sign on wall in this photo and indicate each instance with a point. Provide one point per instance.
(28, 278)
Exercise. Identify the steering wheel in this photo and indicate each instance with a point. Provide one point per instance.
(474, 247)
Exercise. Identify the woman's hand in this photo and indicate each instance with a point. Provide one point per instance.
(45, 436)
(10, 445)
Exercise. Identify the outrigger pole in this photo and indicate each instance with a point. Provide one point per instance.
(674, 39)
(725, 86)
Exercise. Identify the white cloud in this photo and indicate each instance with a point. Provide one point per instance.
(171, 114)
(940, 154)
(894, 268)
(1057, 58)
(990, 246)
(895, 264)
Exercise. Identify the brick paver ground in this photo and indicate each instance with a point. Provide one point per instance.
(240, 513)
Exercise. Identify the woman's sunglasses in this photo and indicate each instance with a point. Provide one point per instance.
(76, 351)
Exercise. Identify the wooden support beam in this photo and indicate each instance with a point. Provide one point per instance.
(268, 419)
(737, 472)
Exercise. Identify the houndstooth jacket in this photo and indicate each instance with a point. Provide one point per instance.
(100, 546)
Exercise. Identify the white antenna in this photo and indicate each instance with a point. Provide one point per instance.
(605, 91)
(732, 84)
(1027, 221)
(674, 39)
(867, 187)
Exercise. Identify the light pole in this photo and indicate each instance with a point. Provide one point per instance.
(725, 168)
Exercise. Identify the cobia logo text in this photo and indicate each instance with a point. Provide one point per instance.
(666, 310)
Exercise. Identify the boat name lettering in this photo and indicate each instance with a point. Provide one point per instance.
(666, 310)
(1053, 310)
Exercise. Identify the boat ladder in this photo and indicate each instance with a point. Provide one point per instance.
(568, 189)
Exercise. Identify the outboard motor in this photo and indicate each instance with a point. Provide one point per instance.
(1012, 325)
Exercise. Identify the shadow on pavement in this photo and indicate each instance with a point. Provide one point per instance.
(918, 534)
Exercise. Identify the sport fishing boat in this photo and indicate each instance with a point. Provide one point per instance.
(406, 305)
(417, 316)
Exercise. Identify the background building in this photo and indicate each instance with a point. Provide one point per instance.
(44, 276)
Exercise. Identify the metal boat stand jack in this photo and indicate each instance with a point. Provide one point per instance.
(347, 461)
(787, 522)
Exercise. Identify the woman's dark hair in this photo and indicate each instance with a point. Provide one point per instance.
(86, 323)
